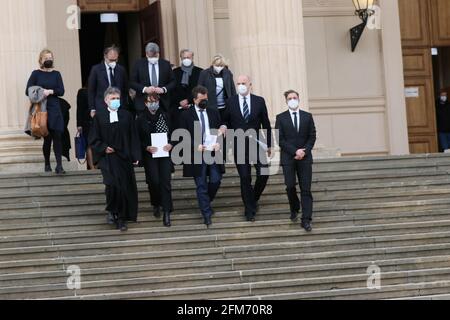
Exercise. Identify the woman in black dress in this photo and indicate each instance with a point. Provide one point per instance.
(49, 79)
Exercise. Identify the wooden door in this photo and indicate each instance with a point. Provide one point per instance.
(109, 5)
(418, 71)
(440, 21)
(151, 26)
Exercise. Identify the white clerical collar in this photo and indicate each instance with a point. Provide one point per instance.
(113, 116)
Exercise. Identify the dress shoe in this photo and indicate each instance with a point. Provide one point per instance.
(111, 219)
(166, 220)
(307, 226)
(48, 168)
(294, 216)
(123, 226)
(250, 218)
(156, 212)
(208, 222)
(60, 170)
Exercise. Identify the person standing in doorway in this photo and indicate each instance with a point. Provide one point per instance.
(443, 120)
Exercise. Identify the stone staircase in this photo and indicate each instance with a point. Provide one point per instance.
(390, 212)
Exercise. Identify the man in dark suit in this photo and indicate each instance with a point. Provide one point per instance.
(106, 74)
(249, 112)
(297, 135)
(186, 77)
(201, 122)
(152, 75)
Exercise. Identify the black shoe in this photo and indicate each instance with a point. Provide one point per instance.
(123, 226)
(111, 219)
(166, 220)
(250, 218)
(307, 226)
(294, 216)
(60, 170)
(208, 222)
(48, 168)
(156, 212)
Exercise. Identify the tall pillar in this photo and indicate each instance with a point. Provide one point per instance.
(22, 37)
(195, 26)
(267, 42)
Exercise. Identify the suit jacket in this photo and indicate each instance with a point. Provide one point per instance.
(188, 119)
(208, 80)
(259, 118)
(140, 78)
(181, 92)
(290, 141)
(98, 83)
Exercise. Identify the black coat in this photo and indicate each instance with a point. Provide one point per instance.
(188, 119)
(65, 139)
(184, 92)
(140, 78)
(443, 116)
(208, 80)
(83, 111)
(98, 83)
(259, 117)
(290, 141)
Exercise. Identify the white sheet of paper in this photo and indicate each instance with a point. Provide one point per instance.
(159, 140)
(210, 141)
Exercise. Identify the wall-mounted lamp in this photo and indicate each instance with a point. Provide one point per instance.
(364, 9)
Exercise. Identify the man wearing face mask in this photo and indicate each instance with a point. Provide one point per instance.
(186, 76)
(297, 136)
(201, 121)
(106, 74)
(443, 120)
(247, 111)
(115, 143)
(152, 75)
(218, 79)
(158, 171)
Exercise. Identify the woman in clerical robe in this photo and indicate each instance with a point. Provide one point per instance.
(115, 143)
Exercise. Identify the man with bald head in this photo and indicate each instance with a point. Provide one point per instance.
(247, 111)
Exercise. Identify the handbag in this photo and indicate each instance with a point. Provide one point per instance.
(80, 148)
(39, 120)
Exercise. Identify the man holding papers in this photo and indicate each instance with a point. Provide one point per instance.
(204, 127)
(154, 128)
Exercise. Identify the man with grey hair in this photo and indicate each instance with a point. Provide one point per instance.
(116, 147)
(186, 77)
(151, 75)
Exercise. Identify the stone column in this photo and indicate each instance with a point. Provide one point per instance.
(267, 41)
(22, 37)
(195, 26)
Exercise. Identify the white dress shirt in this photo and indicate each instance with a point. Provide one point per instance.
(293, 118)
(205, 114)
(241, 103)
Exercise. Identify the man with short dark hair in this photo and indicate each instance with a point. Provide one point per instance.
(200, 121)
(297, 136)
(107, 74)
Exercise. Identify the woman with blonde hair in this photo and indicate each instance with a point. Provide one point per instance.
(51, 81)
(218, 79)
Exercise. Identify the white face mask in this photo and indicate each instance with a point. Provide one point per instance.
(444, 99)
(218, 69)
(293, 104)
(187, 62)
(153, 60)
(242, 89)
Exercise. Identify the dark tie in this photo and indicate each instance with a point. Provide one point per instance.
(296, 122)
(111, 76)
(154, 76)
(246, 110)
(202, 119)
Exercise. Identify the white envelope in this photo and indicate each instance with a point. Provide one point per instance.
(210, 141)
(159, 140)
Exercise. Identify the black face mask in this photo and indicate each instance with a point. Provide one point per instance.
(203, 104)
(48, 64)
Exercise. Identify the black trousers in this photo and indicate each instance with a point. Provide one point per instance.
(56, 138)
(302, 171)
(250, 194)
(158, 174)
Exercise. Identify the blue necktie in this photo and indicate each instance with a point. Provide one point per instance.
(154, 76)
(246, 110)
(202, 118)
